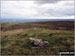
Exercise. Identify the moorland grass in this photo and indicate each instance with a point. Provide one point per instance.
(16, 41)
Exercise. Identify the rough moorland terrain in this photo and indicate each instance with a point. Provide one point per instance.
(59, 34)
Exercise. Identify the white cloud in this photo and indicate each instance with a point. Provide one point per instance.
(29, 9)
(17, 8)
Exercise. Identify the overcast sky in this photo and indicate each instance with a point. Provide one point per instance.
(46, 9)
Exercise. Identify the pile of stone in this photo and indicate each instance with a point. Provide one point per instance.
(38, 42)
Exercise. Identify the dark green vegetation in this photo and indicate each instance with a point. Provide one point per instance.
(14, 38)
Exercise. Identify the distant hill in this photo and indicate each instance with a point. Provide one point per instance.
(30, 20)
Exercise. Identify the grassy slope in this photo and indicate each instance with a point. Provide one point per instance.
(16, 41)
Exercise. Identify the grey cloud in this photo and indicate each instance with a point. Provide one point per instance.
(62, 12)
(67, 9)
(46, 1)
